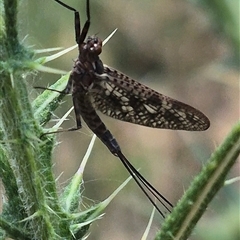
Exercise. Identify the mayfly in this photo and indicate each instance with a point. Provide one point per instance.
(96, 86)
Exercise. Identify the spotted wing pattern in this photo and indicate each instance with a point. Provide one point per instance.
(120, 97)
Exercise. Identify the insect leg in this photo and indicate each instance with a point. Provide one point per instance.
(86, 26)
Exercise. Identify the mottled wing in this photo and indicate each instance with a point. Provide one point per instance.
(120, 97)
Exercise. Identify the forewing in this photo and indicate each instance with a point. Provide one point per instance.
(120, 97)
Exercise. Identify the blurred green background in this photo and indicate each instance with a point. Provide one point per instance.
(187, 50)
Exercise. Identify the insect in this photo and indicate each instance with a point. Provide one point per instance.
(96, 86)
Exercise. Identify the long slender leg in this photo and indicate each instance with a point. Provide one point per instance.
(79, 36)
(77, 114)
(66, 90)
(86, 25)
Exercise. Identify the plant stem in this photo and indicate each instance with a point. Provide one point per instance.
(204, 187)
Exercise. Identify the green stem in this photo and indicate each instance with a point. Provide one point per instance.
(20, 139)
(10, 8)
(193, 204)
